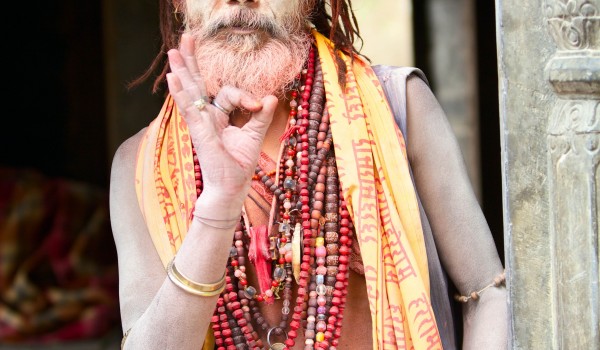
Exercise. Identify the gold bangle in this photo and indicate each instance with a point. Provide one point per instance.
(200, 289)
(498, 281)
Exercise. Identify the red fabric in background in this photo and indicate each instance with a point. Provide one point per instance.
(58, 263)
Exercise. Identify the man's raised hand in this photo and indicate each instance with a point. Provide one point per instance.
(227, 154)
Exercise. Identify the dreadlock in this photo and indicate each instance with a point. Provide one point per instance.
(341, 27)
(338, 24)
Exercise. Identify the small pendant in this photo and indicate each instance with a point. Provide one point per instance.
(275, 346)
(278, 346)
(296, 252)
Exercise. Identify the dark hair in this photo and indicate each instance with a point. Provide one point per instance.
(339, 25)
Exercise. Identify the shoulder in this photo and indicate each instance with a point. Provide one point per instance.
(428, 126)
(398, 74)
(127, 151)
(124, 160)
(409, 81)
(415, 107)
(122, 173)
(405, 88)
(420, 96)
(413, 103)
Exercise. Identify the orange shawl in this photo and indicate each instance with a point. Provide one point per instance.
(374, 174)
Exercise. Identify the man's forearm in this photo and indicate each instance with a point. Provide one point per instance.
(176, 319)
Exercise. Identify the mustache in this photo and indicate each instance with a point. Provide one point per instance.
(244, 18)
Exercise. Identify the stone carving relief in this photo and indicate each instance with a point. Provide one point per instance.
(573, 24)
(576, 117)
(573, 169)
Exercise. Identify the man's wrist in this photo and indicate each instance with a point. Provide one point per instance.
(217, 207)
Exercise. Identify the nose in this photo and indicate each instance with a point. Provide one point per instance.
(242, 1)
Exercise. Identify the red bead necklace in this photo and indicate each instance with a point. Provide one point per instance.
(310, 242)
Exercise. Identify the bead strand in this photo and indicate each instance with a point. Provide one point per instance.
(307, 194)
(197, 173)
(216, 326)
(305, 215)
(311, 241)
(327, 261)
(341, 289)
(314, 121)
(259, 174)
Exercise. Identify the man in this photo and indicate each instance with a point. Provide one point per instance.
(271, 204)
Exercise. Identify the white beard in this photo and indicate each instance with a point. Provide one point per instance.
(264, 62)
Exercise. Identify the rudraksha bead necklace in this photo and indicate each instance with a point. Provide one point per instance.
(310, 240)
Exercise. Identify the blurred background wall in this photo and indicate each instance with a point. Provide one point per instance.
(388, 39)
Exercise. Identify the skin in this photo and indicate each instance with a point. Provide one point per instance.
(206, 9)
(162, 316)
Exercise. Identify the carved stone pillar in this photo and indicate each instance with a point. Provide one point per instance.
(549, 70)
(573, 172)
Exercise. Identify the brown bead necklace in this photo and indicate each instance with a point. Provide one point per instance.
(309, 242)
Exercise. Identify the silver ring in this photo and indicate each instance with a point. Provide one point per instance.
(201, 102)
(219, 107)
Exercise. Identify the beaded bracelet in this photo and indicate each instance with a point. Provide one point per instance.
(200, 289)
(499, 280)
